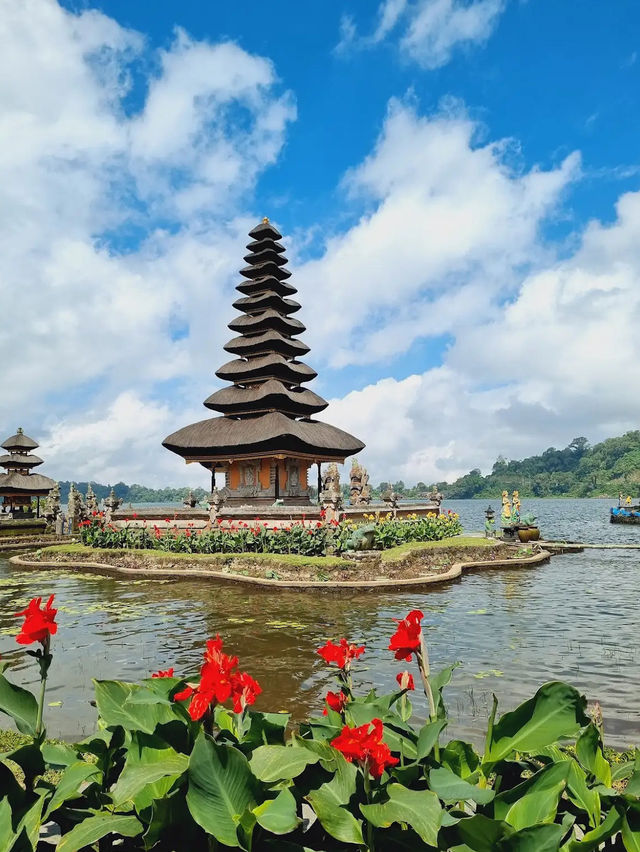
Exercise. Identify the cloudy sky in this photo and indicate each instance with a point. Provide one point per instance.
(458, 183)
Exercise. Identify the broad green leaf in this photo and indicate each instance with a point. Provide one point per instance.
(335, 817)
(438, 682)
(418, 808)
(149, 759)
(460, 757)
(482, 834)
(593, 840)
(590, 754)
(556, 710)
(221, 788)
(115, 708)
(631, 830)
(279, 815)
(69, 784)
(58, 754)
(450, 788)
(266, 728)
(581, 794)
(534, 801)
(539, 838)
(428, 737)
(275, 762)
(20, 826)
(29, 759)
(96, 827)
(20, 704)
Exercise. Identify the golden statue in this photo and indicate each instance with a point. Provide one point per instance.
(505, 517)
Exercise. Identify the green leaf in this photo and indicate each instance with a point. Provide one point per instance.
(58, 754)
(540, 838)
(68, 787)
(149, 759)
(29, 759)
(279, 815)
(582, 795)
(438, 682)
(275, 762)
(534, 801)
(593, 840)
(451, 788)
(20, 704)
(428, 737)
(334, 815)
(418, 808)
(116, 708)
(555, 711)
(221, 788)
(631, 830)
(590, 754)
(481, 833)
(96, 827)
(460, 757)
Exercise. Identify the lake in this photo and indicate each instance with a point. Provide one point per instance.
(573, 619)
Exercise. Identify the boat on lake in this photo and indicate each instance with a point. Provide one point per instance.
(625, 514)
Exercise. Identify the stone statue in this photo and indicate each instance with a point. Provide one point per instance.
(505, 517)
(190, 501)
(111, 504)
(52, 507)
(91, 501)
(330, 482)
(361, 538)
(216, 502)
(360, 490)
(75, 508)
(435, 497)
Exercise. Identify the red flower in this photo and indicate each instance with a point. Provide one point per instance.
(323, 513)
(336, 701)
(340, 654)
(405, 679)
(39, 623)
(135, 515)
(244, 691)
(219, 681)
(167, 520)
(365, 747)
(406, 640)
(163, 673)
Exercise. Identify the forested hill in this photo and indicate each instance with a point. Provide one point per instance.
(579, 470)
(133, 493)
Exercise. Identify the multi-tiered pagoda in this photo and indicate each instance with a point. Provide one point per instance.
(266, 439)
(18, 486)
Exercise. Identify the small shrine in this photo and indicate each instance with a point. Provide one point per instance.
(267, 438)
(18, 485)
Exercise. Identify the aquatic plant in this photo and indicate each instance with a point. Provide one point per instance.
(161, 775)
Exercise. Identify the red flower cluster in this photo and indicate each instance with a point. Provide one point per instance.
(39, 623)
(163, 673)
(336, 701)
(406, 640)
(219, 681)
(405, 680)
(365, 747)
(340, 654)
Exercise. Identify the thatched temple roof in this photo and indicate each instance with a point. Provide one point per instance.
(266, 410)
(18, 462)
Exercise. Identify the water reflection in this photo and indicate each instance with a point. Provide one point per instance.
(513, 629)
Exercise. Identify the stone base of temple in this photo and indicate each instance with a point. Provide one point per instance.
(302, 500)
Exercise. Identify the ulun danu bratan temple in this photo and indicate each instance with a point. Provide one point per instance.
(18, 486)
(266, 440)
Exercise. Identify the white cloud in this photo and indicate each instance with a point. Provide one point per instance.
(448, 224)
(433, 29)
(82, 171)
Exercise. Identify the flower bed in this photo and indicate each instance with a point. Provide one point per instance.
(186, 762)
(319, 538)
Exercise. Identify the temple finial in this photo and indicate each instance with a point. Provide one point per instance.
(265, 220)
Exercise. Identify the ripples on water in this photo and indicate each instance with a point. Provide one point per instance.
(573, 619)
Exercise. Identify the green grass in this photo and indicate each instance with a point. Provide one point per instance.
(457, 541)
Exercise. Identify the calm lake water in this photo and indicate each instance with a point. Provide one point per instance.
(574, 619)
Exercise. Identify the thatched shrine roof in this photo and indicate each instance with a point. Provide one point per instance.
(22, 483)
(19, 441)
(266, 411)
(20, 460)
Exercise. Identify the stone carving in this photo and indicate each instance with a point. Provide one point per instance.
(361, 538)
(216, 502)
(330, 483)
(435, 497)
(294, 489)
(91, 501)
(190, 500)
(111, 504)
(360, 490)
(52, 506)
(75, 509)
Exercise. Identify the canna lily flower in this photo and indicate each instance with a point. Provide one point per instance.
(405, 680)
(39, 623)
(336, 701)
(407, 638)
(340, 654)
(365, 747)
(163, 673)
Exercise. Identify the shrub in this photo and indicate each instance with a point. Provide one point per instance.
(173, 767)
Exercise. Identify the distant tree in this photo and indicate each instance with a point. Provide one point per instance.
(399, 487)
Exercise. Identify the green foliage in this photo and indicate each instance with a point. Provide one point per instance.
(299, 538)
(152, 779)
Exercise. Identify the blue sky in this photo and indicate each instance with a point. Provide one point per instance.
(448, 174)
